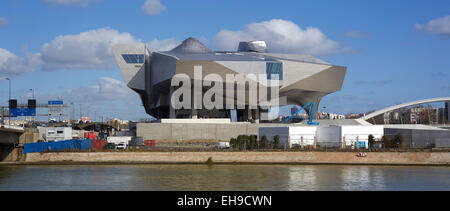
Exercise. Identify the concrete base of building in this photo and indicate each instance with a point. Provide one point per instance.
(195, 131)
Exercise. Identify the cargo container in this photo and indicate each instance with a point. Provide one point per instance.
(137, 141)
(150, 143)
(99, 144)
(91, 136)
(85, 144)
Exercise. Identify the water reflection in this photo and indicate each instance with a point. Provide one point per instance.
(223, 177)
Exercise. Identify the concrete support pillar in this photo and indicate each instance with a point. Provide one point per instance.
(301, 142)
(289, 142)
(357, 142)
(263, 115)
(247, 114)
(315, 142)
(194, 114)
(256, 115)
(172, 112)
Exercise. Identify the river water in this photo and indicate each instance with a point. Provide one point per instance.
(223, 177)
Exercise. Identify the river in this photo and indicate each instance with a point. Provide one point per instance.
(223, 177)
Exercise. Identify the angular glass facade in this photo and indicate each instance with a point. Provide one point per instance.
(273, 68)
(133, 58)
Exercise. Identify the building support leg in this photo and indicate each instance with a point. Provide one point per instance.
(194, 114)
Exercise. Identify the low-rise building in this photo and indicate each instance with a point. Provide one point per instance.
(51, 134)
(352, 136)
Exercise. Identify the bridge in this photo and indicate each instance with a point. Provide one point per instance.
(9, 139)
(392, 108)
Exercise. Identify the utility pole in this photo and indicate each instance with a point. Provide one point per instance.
(73, 110)
(33, 93)
(9, 106)
(443, 115)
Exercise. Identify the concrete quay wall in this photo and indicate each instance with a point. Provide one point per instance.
(373, 158)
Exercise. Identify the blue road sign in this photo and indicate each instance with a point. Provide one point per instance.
(56, 102)
(23, 112)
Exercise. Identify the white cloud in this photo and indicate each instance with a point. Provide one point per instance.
(112, 89)
(3, 21)
(281, 36)
(12, 65)
(70, 2)
(153, 7)
(163, 45)
(107, 96)
(105, 90)
(87, 50)
(440, 26)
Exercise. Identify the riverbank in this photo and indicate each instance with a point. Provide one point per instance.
(344, 158)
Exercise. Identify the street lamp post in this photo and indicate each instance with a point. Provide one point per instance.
(9, 106)
(323, 109)
(33, 92)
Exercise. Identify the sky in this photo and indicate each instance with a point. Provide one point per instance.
(395, 51)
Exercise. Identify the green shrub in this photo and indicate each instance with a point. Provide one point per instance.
(387, 143)
(209, 162)
(398, 140)
(264, 142)
(276, 142)
(371, 141)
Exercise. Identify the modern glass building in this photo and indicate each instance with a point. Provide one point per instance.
(301, 78)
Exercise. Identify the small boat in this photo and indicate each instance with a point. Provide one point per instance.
(362, 154)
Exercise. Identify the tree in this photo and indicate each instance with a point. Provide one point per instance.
(276, 141)
(264, 142)
(233, 143)
(371, 141)
(253, 144)
(398, 140)
(240, 141)
(387, 143)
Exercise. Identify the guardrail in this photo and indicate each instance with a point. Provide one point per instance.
(11, 127)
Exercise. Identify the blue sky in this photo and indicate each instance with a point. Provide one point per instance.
(395, 51)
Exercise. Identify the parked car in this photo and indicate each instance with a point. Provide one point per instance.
(121, 145)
